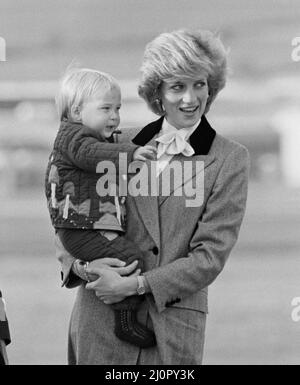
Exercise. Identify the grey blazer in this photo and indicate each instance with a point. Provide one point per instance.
(186, 248)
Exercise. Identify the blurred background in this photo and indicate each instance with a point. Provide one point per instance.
(250, 303)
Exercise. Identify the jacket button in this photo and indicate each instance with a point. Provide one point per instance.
(155, 250)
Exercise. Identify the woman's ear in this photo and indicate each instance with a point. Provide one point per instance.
(76, 113)
(160, 106)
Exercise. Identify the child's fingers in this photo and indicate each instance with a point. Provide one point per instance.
(149, 154)
(150, 148)
(151, 157)
(141, 157)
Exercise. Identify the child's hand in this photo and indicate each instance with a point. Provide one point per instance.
(145, 152)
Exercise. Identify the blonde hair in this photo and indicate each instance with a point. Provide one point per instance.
(77, 85)
(182, 54)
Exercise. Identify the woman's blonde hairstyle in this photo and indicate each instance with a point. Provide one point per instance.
(182, 54)
(77, 85)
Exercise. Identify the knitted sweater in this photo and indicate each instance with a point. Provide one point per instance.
(72, 184)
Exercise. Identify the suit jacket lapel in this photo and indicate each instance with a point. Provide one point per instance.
(195, 165)
(147, 204)
(201, 141)
(148, 209)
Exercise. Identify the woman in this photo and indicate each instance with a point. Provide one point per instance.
(186, 241)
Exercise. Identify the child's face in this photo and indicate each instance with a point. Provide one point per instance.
(101, 112)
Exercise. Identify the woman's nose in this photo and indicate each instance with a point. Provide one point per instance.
(189, 96)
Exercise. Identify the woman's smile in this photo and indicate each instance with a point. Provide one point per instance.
(189, 110)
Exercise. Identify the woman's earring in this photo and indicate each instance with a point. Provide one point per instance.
(160, 106)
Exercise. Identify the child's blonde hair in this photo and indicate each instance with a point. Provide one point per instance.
(77, 85)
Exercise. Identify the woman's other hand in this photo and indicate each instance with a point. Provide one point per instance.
(110, 287)
(113, 264)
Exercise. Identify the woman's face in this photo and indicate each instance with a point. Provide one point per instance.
(184, 100)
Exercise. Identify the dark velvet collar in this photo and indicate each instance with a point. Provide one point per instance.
(201, 139)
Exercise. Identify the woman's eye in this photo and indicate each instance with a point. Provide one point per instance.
(200, 84)
(177, 87)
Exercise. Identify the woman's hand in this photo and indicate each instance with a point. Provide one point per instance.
(113, 264)
(110, 287)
